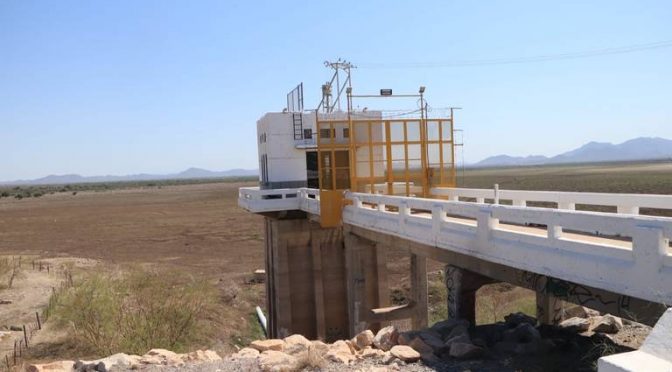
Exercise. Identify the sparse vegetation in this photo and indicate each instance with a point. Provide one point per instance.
(26, 191)
(136, 311)
(437, 297)
(10, 270)
(494, 301)
(310, 359)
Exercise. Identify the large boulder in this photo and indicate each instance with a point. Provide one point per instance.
(162, 357)
(575, 324)
(363, 339)
(463, 350)
(272, 360)
(515, 319)
(433, 339)
(608, 324)
(461, 338)
(201, 356)
(340, 352)
(62, 366)
(271, 344)
(406, 337)
(386, 338)
(420, 346)
(590, 312)
(444, 327)
(369, 352)
(458, 330)
(523, 333)
(490, 333)
(405, 353)
(119, 360)
(296, 344)
(319, 347)
(245, 353)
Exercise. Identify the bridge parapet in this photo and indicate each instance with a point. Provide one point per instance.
(624, 203)
(257, 200)
(633, 260)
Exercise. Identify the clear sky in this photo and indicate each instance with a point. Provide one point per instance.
(122, 87)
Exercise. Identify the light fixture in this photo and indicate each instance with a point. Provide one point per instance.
(348, 90)
(386, 92)
(422, 89)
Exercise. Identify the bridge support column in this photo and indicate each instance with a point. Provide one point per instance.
(305, 281)
(419, 290)
(366, 282)
(461, 286)
(549, 308)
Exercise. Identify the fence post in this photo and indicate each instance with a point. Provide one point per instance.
(39, 323)
(25, 335)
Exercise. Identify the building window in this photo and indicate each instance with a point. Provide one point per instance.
(327, 133)
(308, 133)
(264, 169)
(346, 132)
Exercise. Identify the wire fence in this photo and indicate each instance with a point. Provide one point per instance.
(23, 334)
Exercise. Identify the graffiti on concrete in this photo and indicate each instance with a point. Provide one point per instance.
(453, 279)
(616, 304)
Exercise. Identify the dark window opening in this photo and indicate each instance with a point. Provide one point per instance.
(312, 174)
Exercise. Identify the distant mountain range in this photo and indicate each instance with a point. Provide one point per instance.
(191, 173)
(643, 148)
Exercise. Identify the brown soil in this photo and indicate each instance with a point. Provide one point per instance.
(198, 227)
(195, 228)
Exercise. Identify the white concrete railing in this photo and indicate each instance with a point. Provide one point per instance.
(642, 269)
(624, 203)
(257, 200)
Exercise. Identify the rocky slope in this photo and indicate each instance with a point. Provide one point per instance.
(451, 345)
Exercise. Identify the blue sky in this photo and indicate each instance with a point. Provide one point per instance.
(121, 87)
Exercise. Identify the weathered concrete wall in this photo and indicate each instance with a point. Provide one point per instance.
(549, 290)
(306, 289)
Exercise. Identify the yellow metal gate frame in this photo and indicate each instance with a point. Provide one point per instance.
(376, 155)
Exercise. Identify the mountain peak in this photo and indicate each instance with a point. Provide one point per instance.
(641, 148)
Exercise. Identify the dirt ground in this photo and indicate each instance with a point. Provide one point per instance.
(198, 227)
(194, 228)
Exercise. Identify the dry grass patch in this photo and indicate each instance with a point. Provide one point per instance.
(10, 270)
(135, 311)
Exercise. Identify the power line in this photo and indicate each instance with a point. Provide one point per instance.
(515, 60)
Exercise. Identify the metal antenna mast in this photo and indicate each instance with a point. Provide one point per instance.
(340, 67)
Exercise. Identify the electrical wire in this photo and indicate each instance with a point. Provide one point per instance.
(516, 60)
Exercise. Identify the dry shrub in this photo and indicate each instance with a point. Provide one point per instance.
(10, 270)
(310, 359)
(137, 311)
(494, 301)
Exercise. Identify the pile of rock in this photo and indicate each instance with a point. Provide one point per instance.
(296, 352)
(448, 342)
(155, 357)
(595, 323)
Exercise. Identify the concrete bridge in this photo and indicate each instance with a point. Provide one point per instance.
(332, 283)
